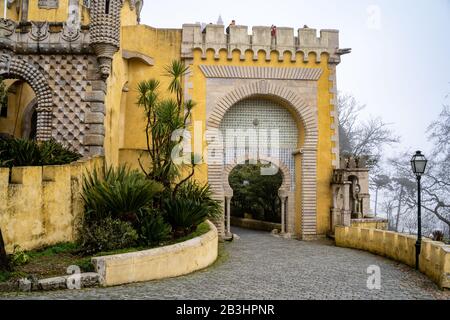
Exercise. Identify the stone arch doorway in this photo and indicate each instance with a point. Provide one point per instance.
(305, 207)
(284, 192)
(18, 116)
(15, 68)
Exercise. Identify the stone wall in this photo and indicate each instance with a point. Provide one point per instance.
(434, 258)
(255, 224)
(160, 263)
(40, 206)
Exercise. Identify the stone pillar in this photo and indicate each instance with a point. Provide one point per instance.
(228, 231)
(283, 215)
(346, 212)
(365, 198)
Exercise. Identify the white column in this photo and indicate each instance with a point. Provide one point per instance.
(228, 199)
(283, 215)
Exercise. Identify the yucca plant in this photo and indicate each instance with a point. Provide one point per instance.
(118, 193)
(164, 118)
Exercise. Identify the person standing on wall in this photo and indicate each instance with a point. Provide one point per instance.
(233, 23)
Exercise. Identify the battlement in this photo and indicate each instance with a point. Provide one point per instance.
(305, 40)
(39, 206)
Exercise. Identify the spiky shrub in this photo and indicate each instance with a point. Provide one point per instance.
(153, 229)
(117, 193)
(54, 153)
(184, 215)
(22, 152)
(201, 194)
(192, 205)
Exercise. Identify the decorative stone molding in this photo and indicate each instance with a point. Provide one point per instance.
(39, 31)
(14, 68)
(35, 38)
(306, 42)
(128, 55)
(261, 73)
(309, 118)
(335, 115)
(7, 27)
(69, 33)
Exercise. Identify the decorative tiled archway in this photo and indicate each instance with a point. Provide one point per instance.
(284, 192)
(306, 114)
(11, 67)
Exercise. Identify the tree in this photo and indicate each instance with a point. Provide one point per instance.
(379, 182)
(166, 125)
(437, 179)
(361, 138)
(255, 193)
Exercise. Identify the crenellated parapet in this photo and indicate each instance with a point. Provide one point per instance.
(303, 41)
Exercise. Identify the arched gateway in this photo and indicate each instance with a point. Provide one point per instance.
(297, 148)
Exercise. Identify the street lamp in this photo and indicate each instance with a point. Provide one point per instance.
(419, 164)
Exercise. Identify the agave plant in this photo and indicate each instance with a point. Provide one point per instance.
(118, 193)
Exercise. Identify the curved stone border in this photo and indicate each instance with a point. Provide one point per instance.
(167, 262)
(434, 258)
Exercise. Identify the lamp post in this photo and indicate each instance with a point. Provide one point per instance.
(419, 164)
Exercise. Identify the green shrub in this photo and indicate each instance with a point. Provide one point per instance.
(201, 195)
(53, 153)
(19, 257)
(184, 215)
(107, 235)
(153, 228)
(117, 193)
(22, 152)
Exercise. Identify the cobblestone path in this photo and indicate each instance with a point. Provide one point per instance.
(260, 266)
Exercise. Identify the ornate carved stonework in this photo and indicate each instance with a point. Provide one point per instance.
(66, 67)
(5, 61)
(69, 33)
(7, 27)
(39, 31)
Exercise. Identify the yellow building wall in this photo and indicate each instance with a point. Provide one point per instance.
(125, 121)
(41, 206)
(17, 103)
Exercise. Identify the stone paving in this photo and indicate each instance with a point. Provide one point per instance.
(261, 266)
